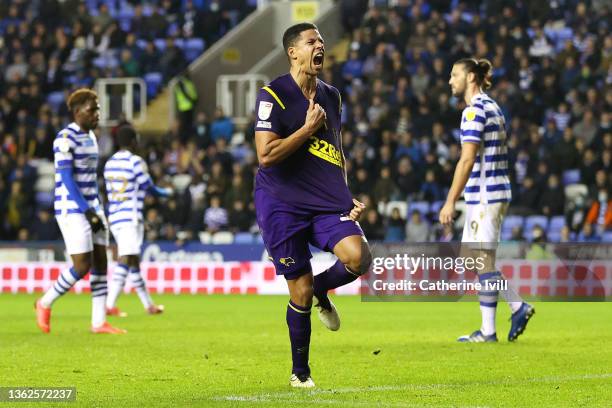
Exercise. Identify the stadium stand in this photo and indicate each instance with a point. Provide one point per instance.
(553, 82)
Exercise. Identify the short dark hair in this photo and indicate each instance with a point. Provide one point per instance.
(482, 68)
(80, 97)
(126, 135)
(293, 33)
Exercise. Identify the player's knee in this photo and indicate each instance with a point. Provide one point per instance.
(359, 259)
(302, 295)
(82, 266)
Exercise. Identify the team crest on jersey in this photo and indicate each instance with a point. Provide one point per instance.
(287, 261)
(470, 114)
(265, 109)
(63, 145)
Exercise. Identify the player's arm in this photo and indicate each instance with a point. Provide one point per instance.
(143, 179)
(469, 150)
(272, 149)
(63, 147)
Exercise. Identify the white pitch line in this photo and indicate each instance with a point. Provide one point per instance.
(287, 396)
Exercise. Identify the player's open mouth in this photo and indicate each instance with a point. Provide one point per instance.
(318, 59)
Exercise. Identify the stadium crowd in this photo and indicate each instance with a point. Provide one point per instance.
(552, 79)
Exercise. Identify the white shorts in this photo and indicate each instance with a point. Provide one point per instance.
(483, 223)
(77, 233)
(129, 236)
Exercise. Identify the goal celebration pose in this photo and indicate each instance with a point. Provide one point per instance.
(301, 193)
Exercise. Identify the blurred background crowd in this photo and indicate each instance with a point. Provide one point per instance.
(552, 79)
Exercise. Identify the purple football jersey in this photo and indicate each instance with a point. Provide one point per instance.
(312, 178)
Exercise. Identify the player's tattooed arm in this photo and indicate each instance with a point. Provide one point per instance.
(272, 149)
(460, 178)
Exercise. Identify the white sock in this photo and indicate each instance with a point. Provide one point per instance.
(514, 299)
(514, 306)
(141, 288)
(99, 291)
(117, 283)
(60, 287)
(488, 320)
(487, 297)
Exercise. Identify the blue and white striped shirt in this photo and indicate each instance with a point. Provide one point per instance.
(483, 123)
(127, 181)
(77, 150)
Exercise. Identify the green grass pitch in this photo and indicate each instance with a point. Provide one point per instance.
(233, 351)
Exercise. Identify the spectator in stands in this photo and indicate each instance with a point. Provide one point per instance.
(430, 189)
(172, 60)
(552, 201)
(407, 180)
(222, 126)
(537, 250)
(588, 234)
(201, 130)
(373, 226)
(150, 58)
(417, 229)
(599, 213)
(17, 209)
(215, 216)
(527, 200)
(566, 234)
(129, 65)
(395, 227)
(384, 188)
(587, 128)
(240, 218)
(44, 228)
(237, 191)
(186, 98)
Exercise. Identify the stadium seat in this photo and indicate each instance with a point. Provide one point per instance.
(205, 237)
(402, 206)
(44, 199)
(193, 48)
(153, 81)
(420, 206)
(142, 44)
(571, 176)
(160, 44)
(556, 223)
(533, 220)
(222, 238)
(607, 237)
(55, 99)
(553, 236)
(436, 206)
(511, 222)
(243, 238)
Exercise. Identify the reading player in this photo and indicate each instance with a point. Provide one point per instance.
(301, 194)
(78, 212)
(482, 171)
(127, 183)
